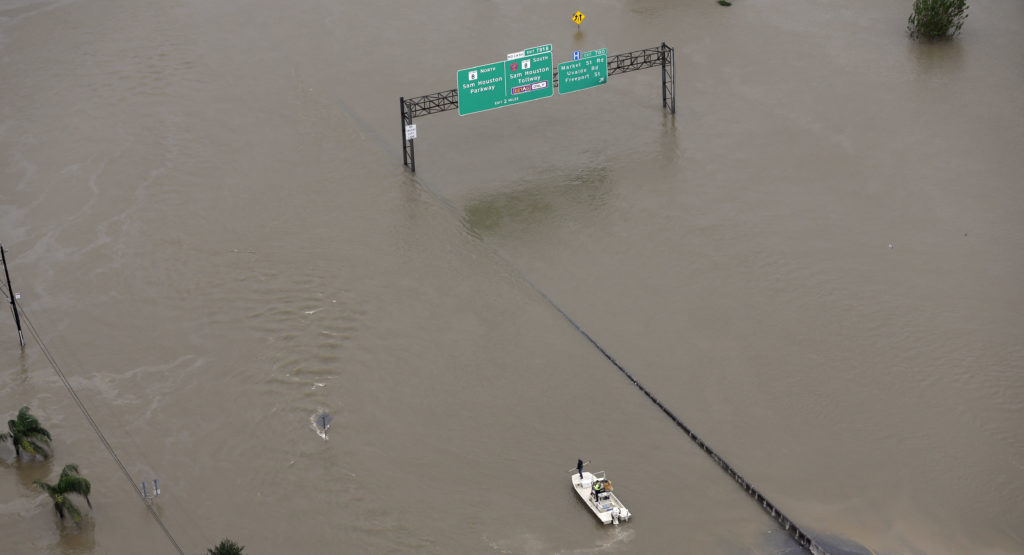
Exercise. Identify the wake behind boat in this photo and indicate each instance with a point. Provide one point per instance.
(596, 491)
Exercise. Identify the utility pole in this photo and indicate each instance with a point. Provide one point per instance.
(14, 305)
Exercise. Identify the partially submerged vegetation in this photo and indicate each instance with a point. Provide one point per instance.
(70, 481)
(30, 437)
(226, 547)
(937, 19)
(26, 434)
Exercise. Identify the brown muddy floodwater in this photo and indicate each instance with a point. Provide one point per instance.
(816, 264)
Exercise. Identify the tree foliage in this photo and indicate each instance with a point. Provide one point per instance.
(69, 482)
(226, 547)
(936, 19)
(27, 435)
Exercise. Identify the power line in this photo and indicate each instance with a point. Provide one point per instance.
(95, 426)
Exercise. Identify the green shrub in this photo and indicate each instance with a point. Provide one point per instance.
(936, 19)
(226, 547)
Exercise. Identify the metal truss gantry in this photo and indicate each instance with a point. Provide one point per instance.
(659, 56)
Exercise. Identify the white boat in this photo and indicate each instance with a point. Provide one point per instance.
(596, 491)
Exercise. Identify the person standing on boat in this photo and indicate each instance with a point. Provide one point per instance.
(579, 467)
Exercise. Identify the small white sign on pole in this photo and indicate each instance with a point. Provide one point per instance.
(410, 132)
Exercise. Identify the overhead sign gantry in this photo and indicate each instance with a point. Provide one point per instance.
(501, 84)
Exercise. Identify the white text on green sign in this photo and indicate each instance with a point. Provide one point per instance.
(525, 75)
(590, 70)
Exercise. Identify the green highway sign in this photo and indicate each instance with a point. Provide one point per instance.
(524, 76)
(482, 88)
(586, 70)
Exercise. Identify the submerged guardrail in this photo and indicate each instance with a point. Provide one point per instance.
(787, 524)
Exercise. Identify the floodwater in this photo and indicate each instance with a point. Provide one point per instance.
(816, 264)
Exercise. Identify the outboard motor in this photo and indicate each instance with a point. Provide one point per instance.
(615, 515)
(624, 514)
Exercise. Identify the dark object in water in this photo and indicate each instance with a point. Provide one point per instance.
(323, 421)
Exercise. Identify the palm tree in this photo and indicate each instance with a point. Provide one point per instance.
(226, 547)
(69, 482)
(27, 434)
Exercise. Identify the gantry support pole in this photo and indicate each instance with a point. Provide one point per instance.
(668, 78)
(408, 148)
